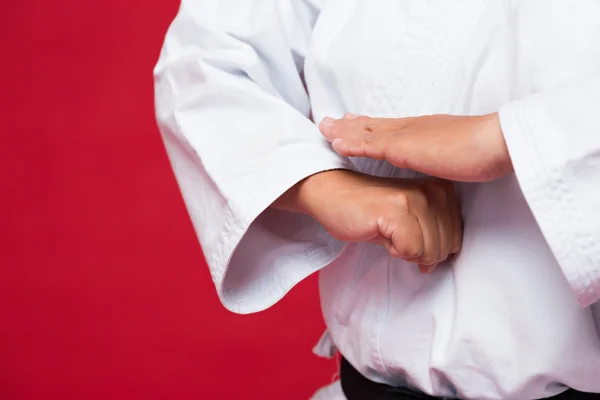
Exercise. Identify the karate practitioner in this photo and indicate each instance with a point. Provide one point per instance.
(448, 193)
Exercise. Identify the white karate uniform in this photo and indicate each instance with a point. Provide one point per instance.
(513, 316)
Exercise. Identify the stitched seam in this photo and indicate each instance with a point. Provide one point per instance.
(384, 318)
(584, 279)
(460, 40)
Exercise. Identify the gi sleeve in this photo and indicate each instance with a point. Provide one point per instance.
(234, 116)
(554, 142)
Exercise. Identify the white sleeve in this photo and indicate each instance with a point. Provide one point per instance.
(554, 143)
(234, 115)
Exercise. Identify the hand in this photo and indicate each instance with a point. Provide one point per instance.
(468, 149)
(414, 219)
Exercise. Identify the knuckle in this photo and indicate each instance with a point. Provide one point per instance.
(342, 126)
(430, 256)
(395, 153)
(441, 189)
(368, 137)
(401, 201)
(371, 127)
(410, 250)
(428, 259)
(439, 193)
(395, 253)
(365, 124)
(457, 246)
(418, 200)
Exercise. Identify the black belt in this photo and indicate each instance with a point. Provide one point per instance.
(357, 387)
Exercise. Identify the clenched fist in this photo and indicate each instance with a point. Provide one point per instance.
(417, 220)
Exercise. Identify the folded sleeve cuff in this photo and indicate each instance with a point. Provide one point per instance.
(535, 149)
(262, 253)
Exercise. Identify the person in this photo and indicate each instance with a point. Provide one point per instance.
(448, 191)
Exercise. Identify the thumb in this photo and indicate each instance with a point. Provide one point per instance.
(405, 235)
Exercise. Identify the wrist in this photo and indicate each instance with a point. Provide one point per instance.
(490, 141)
(306, 196)
(502, 161)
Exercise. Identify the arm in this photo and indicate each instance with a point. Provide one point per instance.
(233, 113)
(550, 139)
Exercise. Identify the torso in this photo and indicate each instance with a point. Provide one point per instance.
(501, 321)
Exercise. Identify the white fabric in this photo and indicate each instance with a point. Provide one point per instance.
(510, 318)
(332, 391)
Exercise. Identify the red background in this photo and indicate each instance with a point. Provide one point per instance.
(103, 290)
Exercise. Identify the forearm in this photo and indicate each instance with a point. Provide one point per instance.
(301, 197)
(289, 201)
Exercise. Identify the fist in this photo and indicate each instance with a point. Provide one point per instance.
(417, 220)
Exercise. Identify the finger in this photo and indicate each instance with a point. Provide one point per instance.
(445, 232)
(426, 269)
(355, 139)
(449, 218)
(391, 249)
(331, 128)
(386, 243)
(457, 224)
(405, 236)
(445, 227)
(354, 148)
(352, 125)
(431, 237)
